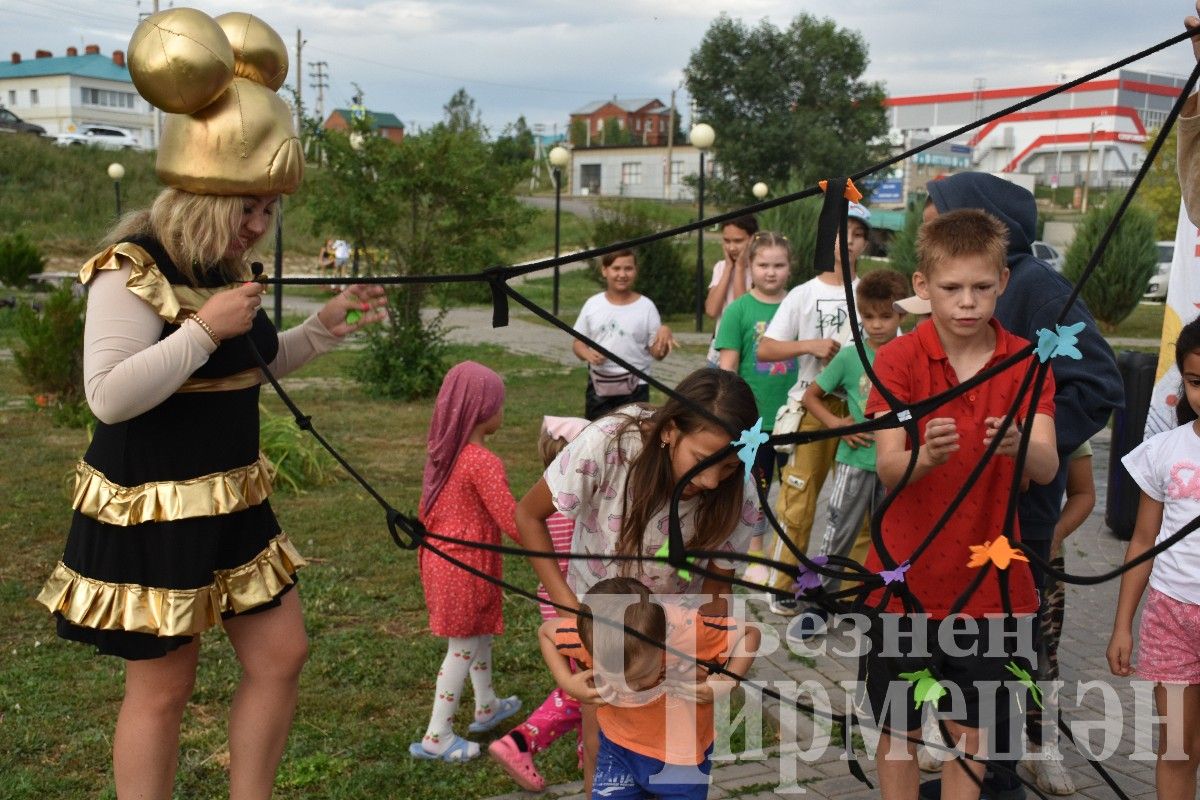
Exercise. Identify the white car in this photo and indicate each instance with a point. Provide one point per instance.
(1157, 288)
(98, 136)
(1049, 254)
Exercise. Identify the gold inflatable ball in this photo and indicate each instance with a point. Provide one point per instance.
(259, 53)
(180, 60)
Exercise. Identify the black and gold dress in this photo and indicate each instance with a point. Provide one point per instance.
(172, 531)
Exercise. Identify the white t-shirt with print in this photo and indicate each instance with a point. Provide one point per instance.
(587, 483)
(1167, 468)
(812, 310)
(718, 270)
(625, 330)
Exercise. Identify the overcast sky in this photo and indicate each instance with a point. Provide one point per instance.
(544, 59)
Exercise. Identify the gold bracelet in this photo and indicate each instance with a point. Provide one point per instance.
(204, 326)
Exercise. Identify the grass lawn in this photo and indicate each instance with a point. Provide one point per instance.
(366, 690)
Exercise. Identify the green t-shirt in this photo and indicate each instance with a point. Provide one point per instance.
(742, 326)
(845, 373)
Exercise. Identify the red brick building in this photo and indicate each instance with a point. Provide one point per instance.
(645, 120)
(382, 122)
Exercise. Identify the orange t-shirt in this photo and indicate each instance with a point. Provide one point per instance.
(644, 728)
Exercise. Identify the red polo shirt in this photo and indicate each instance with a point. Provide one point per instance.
(915, 367)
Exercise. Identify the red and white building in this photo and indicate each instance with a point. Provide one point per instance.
(1097, 128)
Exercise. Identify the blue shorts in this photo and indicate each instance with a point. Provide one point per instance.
(622, 773)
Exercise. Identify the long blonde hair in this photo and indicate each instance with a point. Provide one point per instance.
(195, 230)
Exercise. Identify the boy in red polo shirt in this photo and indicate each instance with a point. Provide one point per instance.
(961, 271)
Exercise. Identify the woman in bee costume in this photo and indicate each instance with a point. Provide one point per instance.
(172, 531)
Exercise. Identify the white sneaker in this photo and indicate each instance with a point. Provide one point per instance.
(1052, 775)
(784, 606)
(928, 759)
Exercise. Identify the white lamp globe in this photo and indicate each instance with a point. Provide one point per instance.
(116, 171)
(559, 157)
(759, 190)
(702, 136)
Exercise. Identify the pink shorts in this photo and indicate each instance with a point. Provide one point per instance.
(1168, 646)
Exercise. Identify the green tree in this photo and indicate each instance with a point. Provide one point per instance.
(461, 113)
(614, 135)
(436, 204)
(578, 133)
(1159, 193)
(1125, 267)
(786, 103)
(515, 145)
(903, 250)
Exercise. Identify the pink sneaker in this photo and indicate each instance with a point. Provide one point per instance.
(518, 765)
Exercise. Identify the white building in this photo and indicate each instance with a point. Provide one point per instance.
(1097, 128)
(645, 172)
(64, 93)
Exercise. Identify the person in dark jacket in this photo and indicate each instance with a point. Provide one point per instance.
(1088, 390)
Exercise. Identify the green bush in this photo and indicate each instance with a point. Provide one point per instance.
(405, 358)
(50, 356)
(663, 275)
(1119, 280)
(19, 258)
(297, 458)
(903, 251)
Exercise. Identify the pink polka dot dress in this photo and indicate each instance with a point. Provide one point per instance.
(475, 505)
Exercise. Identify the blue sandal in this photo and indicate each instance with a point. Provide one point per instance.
(505, 708)
(458, 752)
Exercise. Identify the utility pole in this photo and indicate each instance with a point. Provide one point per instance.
(320, 85)
(1087, 169)
(299, 62)
(670, 147)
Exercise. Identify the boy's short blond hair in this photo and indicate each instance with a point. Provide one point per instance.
(956, 234)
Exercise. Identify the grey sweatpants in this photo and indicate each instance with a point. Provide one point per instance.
(856, 493)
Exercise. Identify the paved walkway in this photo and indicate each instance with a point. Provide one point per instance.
(779, 767)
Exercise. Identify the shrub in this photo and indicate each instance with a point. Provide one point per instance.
(50, 358)
(297, 459)
(19, 259)
(662, 272)
(903, 251)
(405, 358)
(1125, 267)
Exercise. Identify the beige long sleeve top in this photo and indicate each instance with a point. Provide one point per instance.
(128, 370)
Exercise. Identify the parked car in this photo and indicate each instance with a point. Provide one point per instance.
(11, 123)
(1157, 288)
(108, 138)
(1049, 254)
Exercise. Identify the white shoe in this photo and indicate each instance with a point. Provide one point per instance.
(1052, 776)
(784, 606)
(928, 759)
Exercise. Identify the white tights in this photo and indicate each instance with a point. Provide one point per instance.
(471, 655)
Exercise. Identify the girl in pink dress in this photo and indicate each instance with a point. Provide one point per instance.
(559, 713)
(464, 495)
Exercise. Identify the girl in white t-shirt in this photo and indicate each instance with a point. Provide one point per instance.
(615, 480)
(1167, 468)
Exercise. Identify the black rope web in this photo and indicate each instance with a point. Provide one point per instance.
(408, 532)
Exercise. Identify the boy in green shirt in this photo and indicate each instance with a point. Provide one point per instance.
(856, 487)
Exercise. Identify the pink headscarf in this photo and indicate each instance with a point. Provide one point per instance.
(470, 394)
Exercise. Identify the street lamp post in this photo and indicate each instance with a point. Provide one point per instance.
(116, 172)
(558, 159)
(702, 137)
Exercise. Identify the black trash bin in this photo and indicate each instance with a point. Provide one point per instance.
(1129, 424)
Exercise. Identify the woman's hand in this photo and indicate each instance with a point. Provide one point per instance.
(231, 312)
(368, 300)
